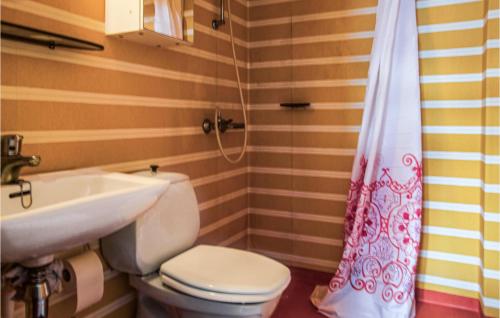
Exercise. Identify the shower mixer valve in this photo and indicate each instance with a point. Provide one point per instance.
(223, 124)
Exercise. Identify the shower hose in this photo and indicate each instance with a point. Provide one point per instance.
(242, 101)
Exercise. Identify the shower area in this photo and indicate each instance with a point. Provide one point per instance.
(300, 158)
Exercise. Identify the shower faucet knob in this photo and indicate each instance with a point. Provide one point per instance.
(207, 126)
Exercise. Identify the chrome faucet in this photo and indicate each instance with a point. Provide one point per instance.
(12, 160)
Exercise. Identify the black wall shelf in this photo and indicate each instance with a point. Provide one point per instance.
(20, 33)
(295, 105)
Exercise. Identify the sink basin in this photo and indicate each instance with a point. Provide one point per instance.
(70, 209)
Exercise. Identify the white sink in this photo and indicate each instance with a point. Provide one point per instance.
(70, 209)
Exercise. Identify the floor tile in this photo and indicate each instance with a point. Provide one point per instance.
(295, 300)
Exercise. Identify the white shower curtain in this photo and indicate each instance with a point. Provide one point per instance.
(376, 275)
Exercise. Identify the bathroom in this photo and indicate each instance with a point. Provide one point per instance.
(252, 199)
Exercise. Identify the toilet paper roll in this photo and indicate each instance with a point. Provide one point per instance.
(85, 274)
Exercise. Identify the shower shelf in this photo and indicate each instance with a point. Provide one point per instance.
(20, 33)
(295, 105)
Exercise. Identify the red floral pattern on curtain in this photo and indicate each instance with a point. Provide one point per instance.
(382, 234)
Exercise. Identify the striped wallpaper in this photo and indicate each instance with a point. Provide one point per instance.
(132, 105)
(125, 108)
(301, 160)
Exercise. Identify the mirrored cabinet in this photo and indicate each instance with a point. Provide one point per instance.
(157, 23)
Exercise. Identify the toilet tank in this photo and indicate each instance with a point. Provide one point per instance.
(168, 228)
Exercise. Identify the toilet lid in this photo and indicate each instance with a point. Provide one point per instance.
(226, 270)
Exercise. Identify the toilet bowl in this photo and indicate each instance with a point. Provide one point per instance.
(175, 279)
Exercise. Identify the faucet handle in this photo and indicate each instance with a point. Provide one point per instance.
(11, 145)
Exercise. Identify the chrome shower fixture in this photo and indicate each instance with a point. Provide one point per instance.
(223, 124)
(217, 23)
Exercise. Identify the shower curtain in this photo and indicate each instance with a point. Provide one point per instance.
(376, 275)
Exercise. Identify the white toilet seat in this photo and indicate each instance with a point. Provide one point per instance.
(216, 296)
(225, 275)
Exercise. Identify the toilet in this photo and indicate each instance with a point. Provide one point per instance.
(175, 279)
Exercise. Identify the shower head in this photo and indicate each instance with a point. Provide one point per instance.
(217, 23)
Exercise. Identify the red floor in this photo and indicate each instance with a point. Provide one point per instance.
(295, 301)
